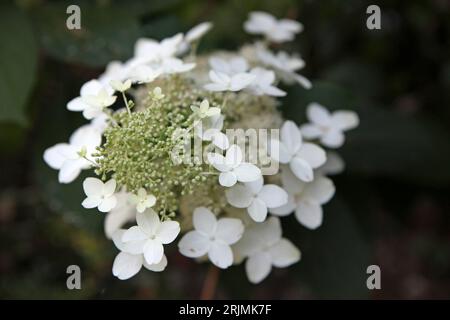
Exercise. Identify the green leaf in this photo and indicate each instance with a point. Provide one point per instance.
(107, 33)
(18, 59)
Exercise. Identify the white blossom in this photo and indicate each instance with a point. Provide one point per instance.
(99, 195)
(204, 111)
(301, 157)
(230, 67)
(263, 246)
(224, 82)
(211, 237)
(126, 264)
(306, 199)
(142, 200)
(149, 50)
(232, 168)
(263, 83)
(284, 65)
(274, 30)
(68, 157)
(94, 98)
(256, 198)
(149, 236)
(120, 86)
(328, 127)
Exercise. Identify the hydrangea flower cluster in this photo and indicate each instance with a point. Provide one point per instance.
(219, 197)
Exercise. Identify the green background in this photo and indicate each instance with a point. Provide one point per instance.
(392, 203)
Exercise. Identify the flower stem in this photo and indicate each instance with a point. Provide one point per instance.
(126, 103)
(210, 284)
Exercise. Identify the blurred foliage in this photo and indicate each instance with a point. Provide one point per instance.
(392, 202)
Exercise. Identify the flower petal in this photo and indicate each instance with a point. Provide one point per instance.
(148, 221)
(313, 154)
(227, 179)
(321, 190)
(239, 196)
(220, 254)
(91, 202)
(153, 251)
(309, 214)
(257, 210)
(107, 204)
(285, 209)
(255, 186)
(157, 267)
(56, 155)
(168, 231)
(247, 172)
(333, 139)
(310, 131)
(233, 156)
(229, 230)
(345, 120)
(193, 245)
(284, 254)
(291, 136)
(279, 152)
(218, 161)
(126, 265)
(258, 267)
(273, 196)
(301, 169)
(204, 221)
(318, 114)
(92, 187)
(70, 170)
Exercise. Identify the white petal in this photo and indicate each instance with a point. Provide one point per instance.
(318, 114)
(193, 245)
(290, 182)
(215, 87)
(92, 186)
(240, 81)
(239, 196)
(291, 136)
(227, 179)
(76, 104)
(91, 202)
(107, 204)
(310, 131)
(157, 267)
(233, 156)
(257, 210)
(117, 239)
(229, 230)
(284, 254)
(70, 170)
(220, 140)
(333, 139)
(204, 221)
(148, 221)
(313, 154)
(126, 265)
(255, 186)
(56, 155)
(258, 267)
(286, 209)
(247, 172)
(218, 161)
(345, 120)
(273, 196)
(168, 231)
(321, 190)
(309, 214)
(301, 169)
(279, 152)
(305, 83)
(220, 254)
(109, 188)
(153, 251)
(270, 231)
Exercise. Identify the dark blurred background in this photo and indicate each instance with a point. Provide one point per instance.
(392, 203)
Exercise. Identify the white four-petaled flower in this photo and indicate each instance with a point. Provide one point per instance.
(301, 157)
(232, 168)
(99, 195)
(127, 264)
(306, 199)
(70, 158)
(328, 127)
(94, 98)
(149, 236)
(211, 237)
(142, 200)
(204, 111)
(263, 83)
(224, 82)
(274, 30)
(256, 197)
(263, 246)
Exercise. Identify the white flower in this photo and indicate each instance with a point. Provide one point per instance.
(94, 97)
(209, 129)
(306, 199)
(143, 200)
(212, 237)
(115, 70)
(263, 83)
(274, 30)
(224, 82)
(157, 93)
(197, 32)
(99, 194)
(67, 157)
(328, 127)
(149, 236)
(204, 111)
(120, 86)
(126, 264)
(175, 65)
(149, 50)
(121, 214)
(264, 247)
(284, 65)
(142, 73)
(231, 167)
(256, 197)
(229, 67)
(301, 157)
